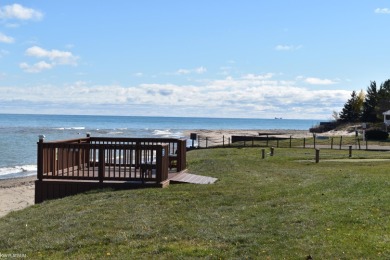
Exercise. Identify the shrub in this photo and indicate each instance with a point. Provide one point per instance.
(323, 127)
(376, 134)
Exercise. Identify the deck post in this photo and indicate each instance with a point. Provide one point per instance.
(350, 151)
(40, 157)
(102, 165)
(262, 153)
(317, 155)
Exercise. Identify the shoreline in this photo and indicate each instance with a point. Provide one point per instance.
(218, 136)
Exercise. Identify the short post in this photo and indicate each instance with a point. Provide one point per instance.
(262, 153)
(317, 155)
(304, 142)
(350, 151)
(40, 157)
(277, 143)
(272, 151)
(290, 140)
(359, 143)
(223, 141)
(229, 141)
(314, 140)
(207, 142)
(331, 143)
(341, 141)
(366, 144)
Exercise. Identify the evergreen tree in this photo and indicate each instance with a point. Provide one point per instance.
(370, 104)
(383, 99)
(351, 111)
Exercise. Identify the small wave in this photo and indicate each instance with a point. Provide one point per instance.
(76, 128)
(114, 133)
(162, 132)
(17, 171)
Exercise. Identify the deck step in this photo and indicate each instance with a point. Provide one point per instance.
(185, 177)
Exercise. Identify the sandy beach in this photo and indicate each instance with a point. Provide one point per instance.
(217, 137)
(16, 194)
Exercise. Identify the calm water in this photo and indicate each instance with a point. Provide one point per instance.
(19, 133)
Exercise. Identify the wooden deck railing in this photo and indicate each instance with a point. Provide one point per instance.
(110, 159)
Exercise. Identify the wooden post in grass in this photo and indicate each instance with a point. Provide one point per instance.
(350, 151)
(358, 142)
(290, 140)
(223, 141)
(341, 141)
(331, 143)
(314, 140)
(207, 142)
(317, 155)
(262, 153)
(40, 157)
(229, 141)
(304, 142)
(272, 151)
(366, 144)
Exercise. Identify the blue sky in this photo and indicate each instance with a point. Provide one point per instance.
(258, 59)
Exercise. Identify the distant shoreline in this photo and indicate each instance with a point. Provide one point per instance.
(217, 137)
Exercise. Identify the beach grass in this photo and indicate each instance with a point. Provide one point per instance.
(281, 207)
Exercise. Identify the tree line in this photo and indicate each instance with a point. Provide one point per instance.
(366, 107)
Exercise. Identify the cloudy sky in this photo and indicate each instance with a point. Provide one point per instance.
(222, 58)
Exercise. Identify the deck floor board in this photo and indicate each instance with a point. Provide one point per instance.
(185, 177)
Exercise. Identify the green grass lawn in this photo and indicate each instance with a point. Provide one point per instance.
(283, 206)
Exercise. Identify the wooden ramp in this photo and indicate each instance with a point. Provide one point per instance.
(185, 177)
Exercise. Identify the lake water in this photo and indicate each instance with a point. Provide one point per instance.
(19, 133)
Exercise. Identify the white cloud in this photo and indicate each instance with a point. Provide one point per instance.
(318, 81)
(35, 68)
(251, 95)
(58, 57)
(382, 10)
(17, 11)
(199, 70)
(182, 71)
(282, 47)
(53, 57)
(6, 39)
